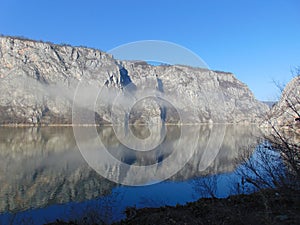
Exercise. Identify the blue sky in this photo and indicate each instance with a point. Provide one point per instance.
(259, 41)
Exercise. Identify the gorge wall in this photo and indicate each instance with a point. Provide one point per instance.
(38, 81)
(287, 109)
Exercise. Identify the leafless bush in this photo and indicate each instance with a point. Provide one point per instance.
(206, 186)
(284, 136)
(262, 169)
(276, 162)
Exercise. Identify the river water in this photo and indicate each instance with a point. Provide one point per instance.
(47, 174)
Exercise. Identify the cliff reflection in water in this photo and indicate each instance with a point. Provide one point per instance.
(43, 166)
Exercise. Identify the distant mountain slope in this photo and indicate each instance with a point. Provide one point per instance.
(38, 81)
(269, 103)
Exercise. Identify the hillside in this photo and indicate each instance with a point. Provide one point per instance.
(38, 82)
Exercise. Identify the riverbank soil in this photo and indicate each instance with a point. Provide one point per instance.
(264, 207)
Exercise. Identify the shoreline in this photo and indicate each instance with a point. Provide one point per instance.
(269, 206)
(110, 125)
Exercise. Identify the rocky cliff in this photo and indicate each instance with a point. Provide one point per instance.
(38, 81)
(287, 110)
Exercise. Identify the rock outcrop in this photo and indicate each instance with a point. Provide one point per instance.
(38, 82)
(287, 111)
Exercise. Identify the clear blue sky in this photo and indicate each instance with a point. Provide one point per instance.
(257, 40)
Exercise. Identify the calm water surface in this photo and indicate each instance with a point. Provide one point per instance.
(45, 177)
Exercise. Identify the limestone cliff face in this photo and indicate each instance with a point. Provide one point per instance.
(38, 81)
(287, 109)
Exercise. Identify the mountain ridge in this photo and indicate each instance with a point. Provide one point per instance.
(39, 80)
